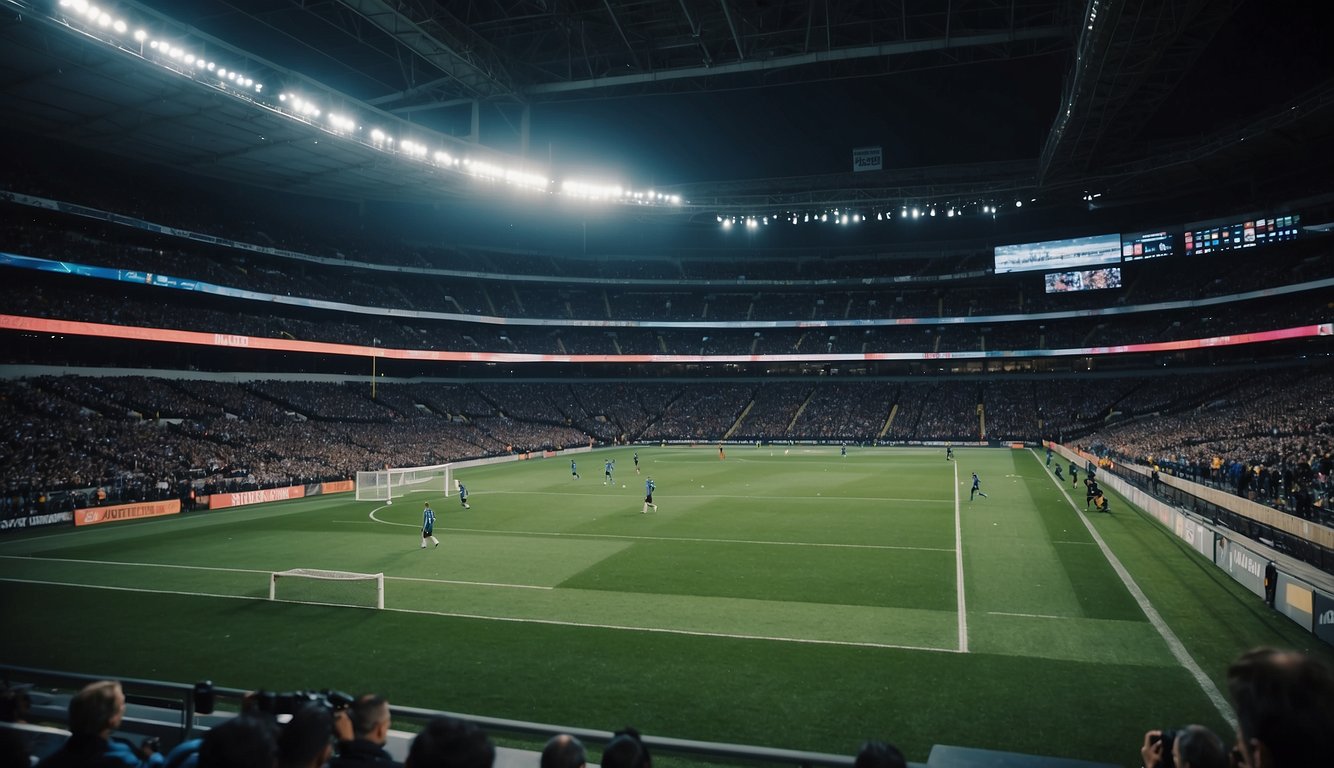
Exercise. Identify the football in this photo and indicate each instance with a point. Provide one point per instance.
(388, 502)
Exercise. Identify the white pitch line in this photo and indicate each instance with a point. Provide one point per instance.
(251, 570)
(497, 532)
(1174, 643)
(130, 565)
(550, 622)
(691, 495)
(958, 566)
(1026, 615)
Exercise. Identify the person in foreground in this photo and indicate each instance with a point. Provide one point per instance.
(1284, 702)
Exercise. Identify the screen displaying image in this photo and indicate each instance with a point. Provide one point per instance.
(1084, 280)
(1059, 254)
(1200, 239)
(1147, 245)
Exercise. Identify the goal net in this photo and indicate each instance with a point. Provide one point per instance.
(308, 585)
(390, 484)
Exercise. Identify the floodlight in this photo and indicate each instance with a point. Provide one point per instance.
(91, 11)
(140, 35)
(153, 45)
(104, 19)
(189, 58)
(1018, 203)
(904, 212)
(916, 213)
(950, 213)
(119, 26)
(808, 217)
(766, 221)
(223, 73)
(211, 66)
(727, 223)
(879, 215)
(843, 220)
(824, 217)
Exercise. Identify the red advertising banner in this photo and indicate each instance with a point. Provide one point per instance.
(221, 500)
(340, 486)
(96, 515)
(104, 330)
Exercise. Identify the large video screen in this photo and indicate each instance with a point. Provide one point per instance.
(1242, 234)
(1084, 280)
(1059, 254)
(1147, 245)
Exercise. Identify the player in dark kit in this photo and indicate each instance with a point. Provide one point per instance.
(977, 488)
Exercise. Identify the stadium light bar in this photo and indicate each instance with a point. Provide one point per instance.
(140, 35)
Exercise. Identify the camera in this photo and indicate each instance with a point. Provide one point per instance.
(288, 703)
(1167, 738)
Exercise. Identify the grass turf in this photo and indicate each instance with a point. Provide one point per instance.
(794, 599)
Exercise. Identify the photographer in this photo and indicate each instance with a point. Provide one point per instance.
(367, 732)
(1191, 747)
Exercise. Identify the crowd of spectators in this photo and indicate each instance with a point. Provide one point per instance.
(1268, 436)
(82, 440)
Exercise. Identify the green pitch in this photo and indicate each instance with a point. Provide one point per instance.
(782, 597)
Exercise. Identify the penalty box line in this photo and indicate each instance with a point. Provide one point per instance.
(513, 619)
(123, 564)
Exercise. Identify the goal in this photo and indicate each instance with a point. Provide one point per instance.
(309, 585)
(390, 484)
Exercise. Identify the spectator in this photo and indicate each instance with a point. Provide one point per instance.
(306, 741)
(1285, 710)
(94, 714)
(878, 754)
(370, 721)
(246, 740)
(627, 750)
(564, 751)
(447, 742)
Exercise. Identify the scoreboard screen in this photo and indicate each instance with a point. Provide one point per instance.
(1147, 245)
(1241, 234)
(1059, 254)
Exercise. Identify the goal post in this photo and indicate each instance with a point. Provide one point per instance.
(390, 484)
(311, 585)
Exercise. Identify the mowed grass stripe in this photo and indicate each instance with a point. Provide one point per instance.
(904, 579)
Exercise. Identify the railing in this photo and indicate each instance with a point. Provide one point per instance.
(192, 700)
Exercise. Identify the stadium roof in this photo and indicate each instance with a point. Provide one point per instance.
(732, 104)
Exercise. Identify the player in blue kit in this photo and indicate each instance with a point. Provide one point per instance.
(607, 467)
(463, 496)
(977, 488)
(428, 526)
(574, 470)
(649, 487)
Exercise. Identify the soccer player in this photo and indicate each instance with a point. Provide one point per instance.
(949, 453)
(1059, 476)
(607, 467)
(1074, 473)
(1049, 455)
(463, 496)
(843, 450)
(977, 488)
(1091, 491)
(721, 455)
(574, 470)
(636, 462)
(649, 487)
(428, 525)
